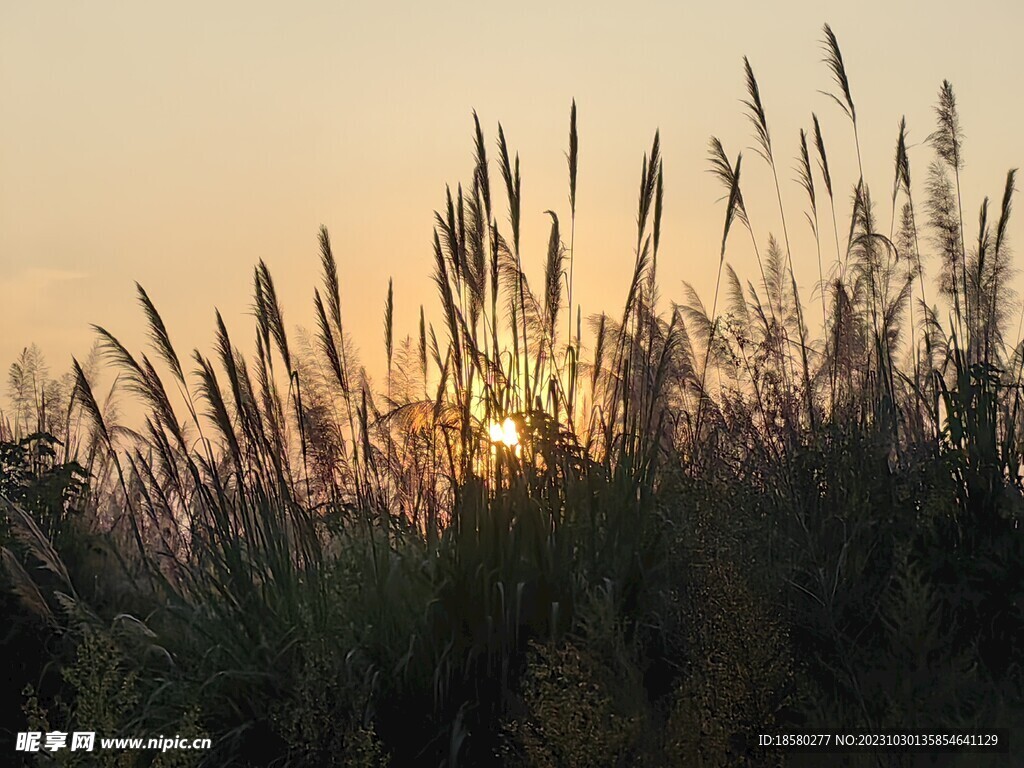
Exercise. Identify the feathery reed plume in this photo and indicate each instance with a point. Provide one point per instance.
(159, 336)
(734, 204)
(441, 279)
(330, 269)
(573, 348)
(819, 143)
(573, 157)
(981, 251)
(659, 196)
(332, 337)
(722, 169)
(513, 185)
(756, 115)
(1005, 208)
(423, 346)
(161, 341)
(481, 172)
(217, 412)
(142, 380)
(947, 141)
(600, 334)
(901, 182)
(944, 222)
(513, 188)
(1000, 263)
(327, 343)
(734, 207)
(553, 277)
(834, 60)
(269, 311)
(389, 329)
(806, 180)
(648, 187)
(901, 176)
(631, 313)
(652, 328)
(84, 397)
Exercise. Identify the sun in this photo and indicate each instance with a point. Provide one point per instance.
(504, 433)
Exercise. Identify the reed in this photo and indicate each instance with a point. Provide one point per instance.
(302, 562)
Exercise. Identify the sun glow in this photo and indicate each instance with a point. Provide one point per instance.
(504, 433)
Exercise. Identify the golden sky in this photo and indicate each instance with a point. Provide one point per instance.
(177, 143)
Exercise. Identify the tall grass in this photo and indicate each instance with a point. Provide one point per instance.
(314, 562)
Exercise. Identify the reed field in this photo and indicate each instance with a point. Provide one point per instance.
(545, 536)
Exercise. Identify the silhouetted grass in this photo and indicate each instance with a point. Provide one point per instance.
(526, 549)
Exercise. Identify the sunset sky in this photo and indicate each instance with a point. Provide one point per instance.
(176, 144)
